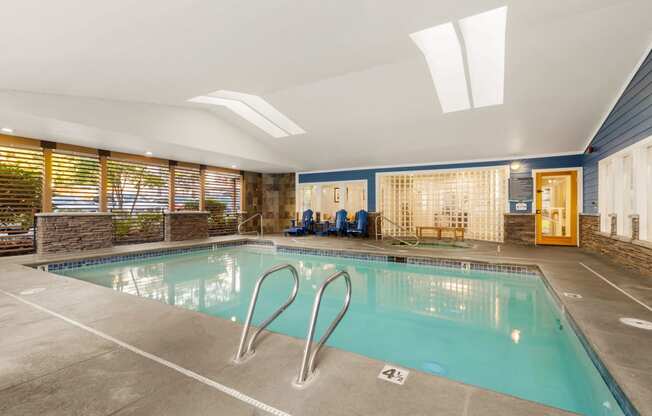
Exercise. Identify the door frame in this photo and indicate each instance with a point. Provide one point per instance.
(579, 201)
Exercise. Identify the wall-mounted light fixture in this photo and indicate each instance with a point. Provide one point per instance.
(515, 165)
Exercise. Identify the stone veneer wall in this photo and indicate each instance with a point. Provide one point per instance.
(519, 229)
(278, 201)
(632, 254)
(186, 225)
(59, 232)
(252, 199)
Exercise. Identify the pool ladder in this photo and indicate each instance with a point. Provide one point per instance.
(307, 370)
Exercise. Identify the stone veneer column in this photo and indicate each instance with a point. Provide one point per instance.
(186, 225)
(278, 199)
(60, 232)
(519, 229)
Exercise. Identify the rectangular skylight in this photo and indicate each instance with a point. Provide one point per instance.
(244, 111)
(441, 48)
(484, 37)
(262, 107)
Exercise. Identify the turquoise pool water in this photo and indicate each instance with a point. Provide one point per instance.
(498, 331)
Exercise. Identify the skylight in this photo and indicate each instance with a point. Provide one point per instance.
(443, 53)
(264, 108)
(254, 109)
(483, 38)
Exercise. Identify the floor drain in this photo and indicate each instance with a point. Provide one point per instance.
(32, 291)
(637, 323)
(572, 295)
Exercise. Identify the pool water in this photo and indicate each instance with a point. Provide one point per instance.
(498, 331)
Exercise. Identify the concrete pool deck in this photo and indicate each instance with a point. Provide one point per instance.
(71, 347)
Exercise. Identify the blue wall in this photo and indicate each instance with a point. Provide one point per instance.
(370, 174)
(629, 121)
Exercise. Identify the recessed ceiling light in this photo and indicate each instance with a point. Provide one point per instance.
(148, 153)
(264, 108)
(245, 112)
(484, 38)
(441, 48)
(7, 130)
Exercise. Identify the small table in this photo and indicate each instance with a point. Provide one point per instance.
(458, 232)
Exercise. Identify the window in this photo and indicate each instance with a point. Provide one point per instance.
(629, 195)
(473, 199)
(328, 198)
(21, 175)
(625, 190)
(308, 198)
(75, 182)
(186, 188)
(222, 200)
(137, 197)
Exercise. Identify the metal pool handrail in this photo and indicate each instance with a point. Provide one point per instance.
(382, 236)
(308, 361)
(249, 219)
(242, 352)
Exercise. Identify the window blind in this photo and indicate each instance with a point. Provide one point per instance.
(76, 182)
(21, 175)
(186, 186)
(222, 200)
(137, 197)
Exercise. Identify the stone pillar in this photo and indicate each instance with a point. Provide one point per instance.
(61, 232)
(519, 229)
(613, 223)
(635, 226)
(186, 225)
(589, 229)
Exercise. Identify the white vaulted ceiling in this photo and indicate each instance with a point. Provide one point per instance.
(119, 74)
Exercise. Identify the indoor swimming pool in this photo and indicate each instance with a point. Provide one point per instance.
(500, 331)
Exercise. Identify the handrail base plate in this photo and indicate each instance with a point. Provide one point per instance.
(311, 377)
(248, 356)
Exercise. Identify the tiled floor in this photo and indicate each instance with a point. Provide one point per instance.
(56, 367)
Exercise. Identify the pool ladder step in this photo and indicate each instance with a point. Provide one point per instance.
(307, 370)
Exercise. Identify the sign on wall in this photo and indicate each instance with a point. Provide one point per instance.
(521, 189)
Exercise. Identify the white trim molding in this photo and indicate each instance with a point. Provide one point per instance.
(425, 165)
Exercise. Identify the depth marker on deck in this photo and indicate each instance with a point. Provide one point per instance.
(189, 373)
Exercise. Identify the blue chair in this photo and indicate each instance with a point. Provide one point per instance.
(304, 227)
(339, 227)
(361, 224)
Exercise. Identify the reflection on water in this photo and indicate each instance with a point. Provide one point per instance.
(497, 331)
(217, 286)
